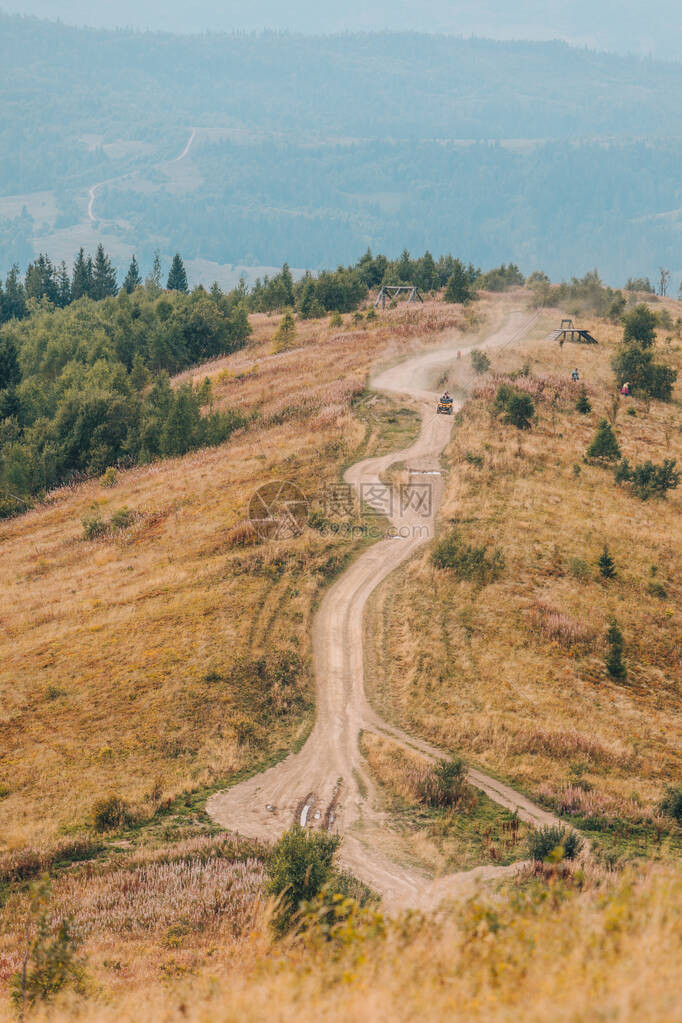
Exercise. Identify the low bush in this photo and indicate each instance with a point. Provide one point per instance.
(479, 361)
(109, 478)
(554, 842)
(466, 561)
(111, 814)
(671, 804)
(647, 479)
(301, 865)
(445, 784)
(517, 407)
(51, 963)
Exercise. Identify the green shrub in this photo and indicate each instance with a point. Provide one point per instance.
(466, 561)
(579, 569)
(636, 366)
(519, 411)
(110, 478)
(446, 784)
(479, 361)
(473, 459)
(336, 319)
(554, 842)
(4, 790)
(518, 407)
(51, 963)
(94, 527)
(301, 865)
(647, 479)
(671, 804)
(372, 314)
(285, 335)
(122, 519)
(657, 589)
(604, 446)
(614, 656)
(640, 326)
(111, 814)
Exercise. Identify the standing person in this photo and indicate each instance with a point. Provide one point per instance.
(625, 390)
(575, 375)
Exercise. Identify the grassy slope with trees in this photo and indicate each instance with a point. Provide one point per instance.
(189, 689)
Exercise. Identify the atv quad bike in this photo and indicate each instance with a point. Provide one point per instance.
(444, 407)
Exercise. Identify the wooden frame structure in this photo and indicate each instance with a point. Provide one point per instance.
(391, 291)
(568, 332)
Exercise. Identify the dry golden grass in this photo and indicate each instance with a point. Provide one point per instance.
(546, 949)
(512, 674)
(140, 663)
(131, 663)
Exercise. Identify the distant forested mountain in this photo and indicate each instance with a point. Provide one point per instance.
(261, 148)
(629, 26)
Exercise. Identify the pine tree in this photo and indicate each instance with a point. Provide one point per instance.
(63, 286)
(604, 446)
(133, 279)
(14, 301)
(286, 333)
(81, 284)
(153, 282)
(405, 267)
(614, 657)
(41, 281)
(287, 285)
(583, 403)
(607, 565)
(458, 289)
(10, 374)
(177, 277)
(104, 283)
(426, 276)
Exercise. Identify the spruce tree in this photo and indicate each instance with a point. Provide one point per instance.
(607, 565)
(153, 282)
(41, 281)
(177, 277)
(458, 288)
(103, 276)
(63, 286)
(81, 284)
(133, 279)
(614, 657)
(287, 285)
(604, 446)
(286, 333)
(583, 403)
(14, 300)
(10, 374)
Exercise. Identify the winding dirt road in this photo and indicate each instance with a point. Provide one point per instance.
(326, 784)
(92, 192)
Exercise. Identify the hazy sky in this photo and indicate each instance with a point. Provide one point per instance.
(622, 25)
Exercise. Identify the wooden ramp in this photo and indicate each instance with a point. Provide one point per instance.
(568, 332)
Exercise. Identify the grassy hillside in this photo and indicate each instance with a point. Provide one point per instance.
(134, 663)
(170, 655)
(510, 671)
